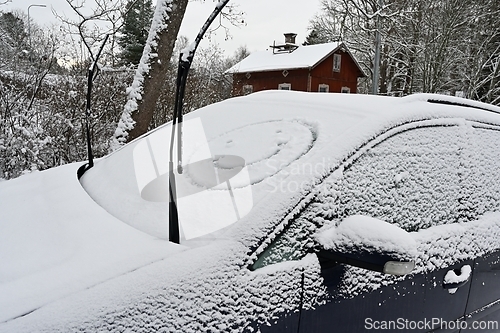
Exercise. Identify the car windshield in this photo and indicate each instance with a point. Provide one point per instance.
(231, 163)
(222, 177)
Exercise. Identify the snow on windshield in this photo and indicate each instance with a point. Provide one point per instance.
(212, 195)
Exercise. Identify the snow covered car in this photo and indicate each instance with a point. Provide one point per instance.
(298, 212)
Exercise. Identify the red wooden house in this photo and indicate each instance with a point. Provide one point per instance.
(326, 67)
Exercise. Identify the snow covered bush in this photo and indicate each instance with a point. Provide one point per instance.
(49, 131)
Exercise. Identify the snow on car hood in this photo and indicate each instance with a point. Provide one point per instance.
(56, 241)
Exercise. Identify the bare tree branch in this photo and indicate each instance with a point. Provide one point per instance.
(91, 26)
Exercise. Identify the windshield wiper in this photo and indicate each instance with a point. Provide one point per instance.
(185, 61)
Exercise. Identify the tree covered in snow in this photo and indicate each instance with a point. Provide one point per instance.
(42, 103)
(22, 73)
(435, 46)
(13, 34)
(151, 75)
(151, 72)
(484, 71)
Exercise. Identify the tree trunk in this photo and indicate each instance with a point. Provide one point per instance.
(151, 72)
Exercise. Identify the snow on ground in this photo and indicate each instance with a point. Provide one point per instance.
(94, 258)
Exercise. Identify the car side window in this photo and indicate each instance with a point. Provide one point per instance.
(483, 184)
(412, 179)
(292, 244)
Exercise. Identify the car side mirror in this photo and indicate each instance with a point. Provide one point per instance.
(369, 243)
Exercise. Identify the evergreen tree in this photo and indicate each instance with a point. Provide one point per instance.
(314, 38)
(12, 32)
(134, 31)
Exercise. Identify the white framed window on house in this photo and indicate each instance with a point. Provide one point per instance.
(337, 59)
(285, 86)
(324, 88)
(247, 89)
(345, 90)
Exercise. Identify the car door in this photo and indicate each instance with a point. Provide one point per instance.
(411, 179)
(483, 307)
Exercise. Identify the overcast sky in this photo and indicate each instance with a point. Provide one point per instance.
(266, 20)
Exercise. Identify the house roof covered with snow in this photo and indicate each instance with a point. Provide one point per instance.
(302, 57)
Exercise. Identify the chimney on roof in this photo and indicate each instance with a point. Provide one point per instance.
(290, 38)
(289, 45)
